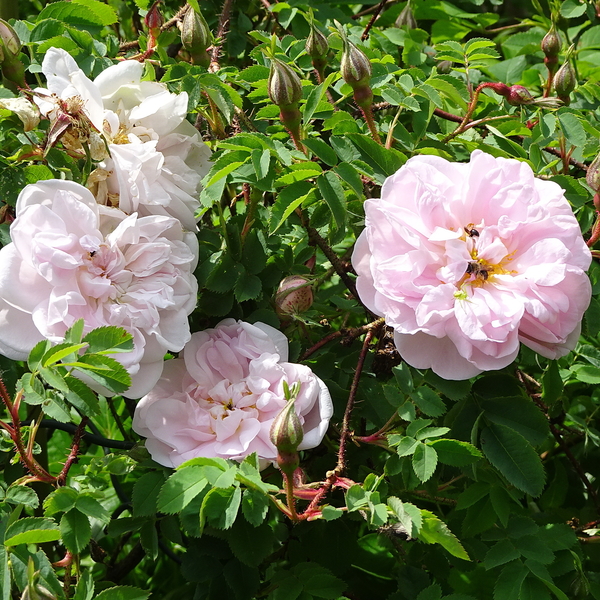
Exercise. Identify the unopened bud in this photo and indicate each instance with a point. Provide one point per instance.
(355, 67)
(406, 18)
(196, 37)
(294, 295)
(286, 430)
(154, 19)
(316, 44)
(517, 95)
(565, 80)
(551, 44)
(284, 85)
(10, 46)
(444, 67)
(37, 592)
(593, 174)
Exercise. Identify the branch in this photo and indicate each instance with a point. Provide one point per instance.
(221, 33)
(72, 458)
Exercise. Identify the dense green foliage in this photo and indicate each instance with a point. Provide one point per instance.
(426, 489)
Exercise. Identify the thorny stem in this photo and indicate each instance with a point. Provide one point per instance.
(345, 435)
(348, 334)
(371, 22)
(528, 382)
(368, 115)
(72, 458)
(595, 232)
(289, 492)
(332, 257)
(221, 33)
(251, 206)
(467, 117)
(378, 436)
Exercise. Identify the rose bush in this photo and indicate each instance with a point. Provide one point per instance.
(72, 259)
(220, 399)
(465, 261)
(156, 158)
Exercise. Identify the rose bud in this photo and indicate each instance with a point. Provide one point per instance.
(294, 295)
(551, 45)
(565, 79)
(285, 90)
(154, 19)
(444, 67)
(317, 48)
(406, 18)
(10, 47)
(196, 37)
(593, 174)
(286, 435)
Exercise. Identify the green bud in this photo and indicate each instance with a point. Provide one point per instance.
(286, 430)
(406, 18)
(444, 67)
(355, 67)
(565, 79)
(593, 174)
(551, 44)
(284, 85)
(196, 37)
(10, 48)
(316, 44)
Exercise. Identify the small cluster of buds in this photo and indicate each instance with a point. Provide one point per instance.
(564, 80)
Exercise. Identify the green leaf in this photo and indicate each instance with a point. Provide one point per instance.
(455, 453)
(34, 361)
(180, 489)
(85, 586)
(288, 200)
(384, 161)
(149, 539)
(572, 128)
(56, 408)
(499, 554)
(220, 507)
(552, 384)
(571, 9)
(75, 530)
(54, 379)
(424, 461)
(428, 402)
(319, 582)
(531, 546)
(31, 530)
(514, 457)
(109, 340)
(82, 397)
(74, 334)
(251, 545)
(255, 506)
(404, 446)
(88, 505)
(145, 493)
(58, 352)
(72, 13)
(508, 583)
(61, 500)
(103, 11)
(435, 531)
(322, 150)
(123, 592)
(333, 194)
(21, 494)
(105, 370)
(315, 97)
(356, 498)
(520, 414)
(351, 176)
(247, 287)
(261, 160)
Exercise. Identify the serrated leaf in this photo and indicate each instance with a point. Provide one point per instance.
(73, 14)
(322, 150)
(455, 452)
(220, 507)
(424, 461)
(333, 194)
(21, 494)
(318, 581)
(149, 539)
(109, 340)
(514, 457)
(385, 162)
(89, 506)
(247, 287)
(315, 97)
(31, 530)
(75, 530)
(34, 361)
(33, 389)
(288, 199)
(105, 370)
(82, 397)
(435, 531)
(85, 586)
(356, 497)
(180, 489)
(261, 160)
(499, 554)
(508, 583)
(520, 414)
(255, 506)
(74, 334)
(58, 352)
(251, 545)
(145, 493)
(61, 500)
(54, 379)
(56, 408)
(122, 592)
(428, 402)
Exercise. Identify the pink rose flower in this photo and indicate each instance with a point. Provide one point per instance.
(465, 261)
(71, 259)
(220, 399)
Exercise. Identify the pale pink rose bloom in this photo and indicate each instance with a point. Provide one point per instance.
(157, 158)
(220, 399)
(465, 261)
(71, 259)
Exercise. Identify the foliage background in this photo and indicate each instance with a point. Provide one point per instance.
(463, 490)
